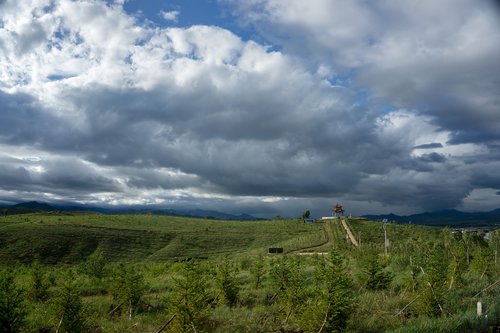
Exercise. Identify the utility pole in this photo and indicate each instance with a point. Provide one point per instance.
(386, 241)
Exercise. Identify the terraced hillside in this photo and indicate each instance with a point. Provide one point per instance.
(70, 238)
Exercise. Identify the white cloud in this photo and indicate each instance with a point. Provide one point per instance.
(171, 15)
(102, 108)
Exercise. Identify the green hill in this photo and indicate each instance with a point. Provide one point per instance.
(66, 238)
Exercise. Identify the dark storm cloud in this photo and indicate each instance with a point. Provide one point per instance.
(143, 178)
(240, 147)
(429, 146)
(76, 176)
(13, 177)
(52, 175)
(432, 158)
(23, 120)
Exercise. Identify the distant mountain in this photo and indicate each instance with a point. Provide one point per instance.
(34, 205)
(37, 207)
(26, 208)
(448, 217)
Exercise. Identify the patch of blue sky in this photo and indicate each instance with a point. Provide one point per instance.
(58, 77)
(341, 79)
(190, 13)
(363, 96)
(389, 109)
(49, 8)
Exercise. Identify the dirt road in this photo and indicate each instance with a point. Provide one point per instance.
(314, 249)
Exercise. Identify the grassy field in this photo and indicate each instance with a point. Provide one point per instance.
(71, 238)
(132, 273)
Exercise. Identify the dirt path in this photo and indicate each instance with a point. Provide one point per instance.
(313, 249)
(349, 233)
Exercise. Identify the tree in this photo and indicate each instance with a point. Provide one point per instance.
(189, 300)
(337, 292)
(306, 214)
(68, 305)
(376, 277)
(494, 240)
(291, 282)
(258, 271)
(95, 264)
(458, 259)
(39, 283)
(227, 282)
(12, 311)
(128, 287)
(434, 280)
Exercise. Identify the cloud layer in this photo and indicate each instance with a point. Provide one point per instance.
(378, 105)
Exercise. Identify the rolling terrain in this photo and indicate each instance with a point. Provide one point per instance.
(151, 273)
(70, 238)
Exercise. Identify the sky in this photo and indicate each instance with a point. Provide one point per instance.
(265, 107)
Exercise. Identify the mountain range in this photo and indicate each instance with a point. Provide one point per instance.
(448, 217)
(37, 207)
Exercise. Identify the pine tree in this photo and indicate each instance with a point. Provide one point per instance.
(337, 293)
(227, 282)
(128, 287)
(39, 283)
(291, 282)
(68, 305)
(95, 264)
(189, 300)
(258, 271)
(432, 288)
(12, 310)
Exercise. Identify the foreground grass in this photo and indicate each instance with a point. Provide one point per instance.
(272, 293)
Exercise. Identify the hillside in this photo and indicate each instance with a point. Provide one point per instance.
(70, 238)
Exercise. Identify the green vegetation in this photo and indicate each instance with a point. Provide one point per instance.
(70, 239)
(11, 304)
(146, 273)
